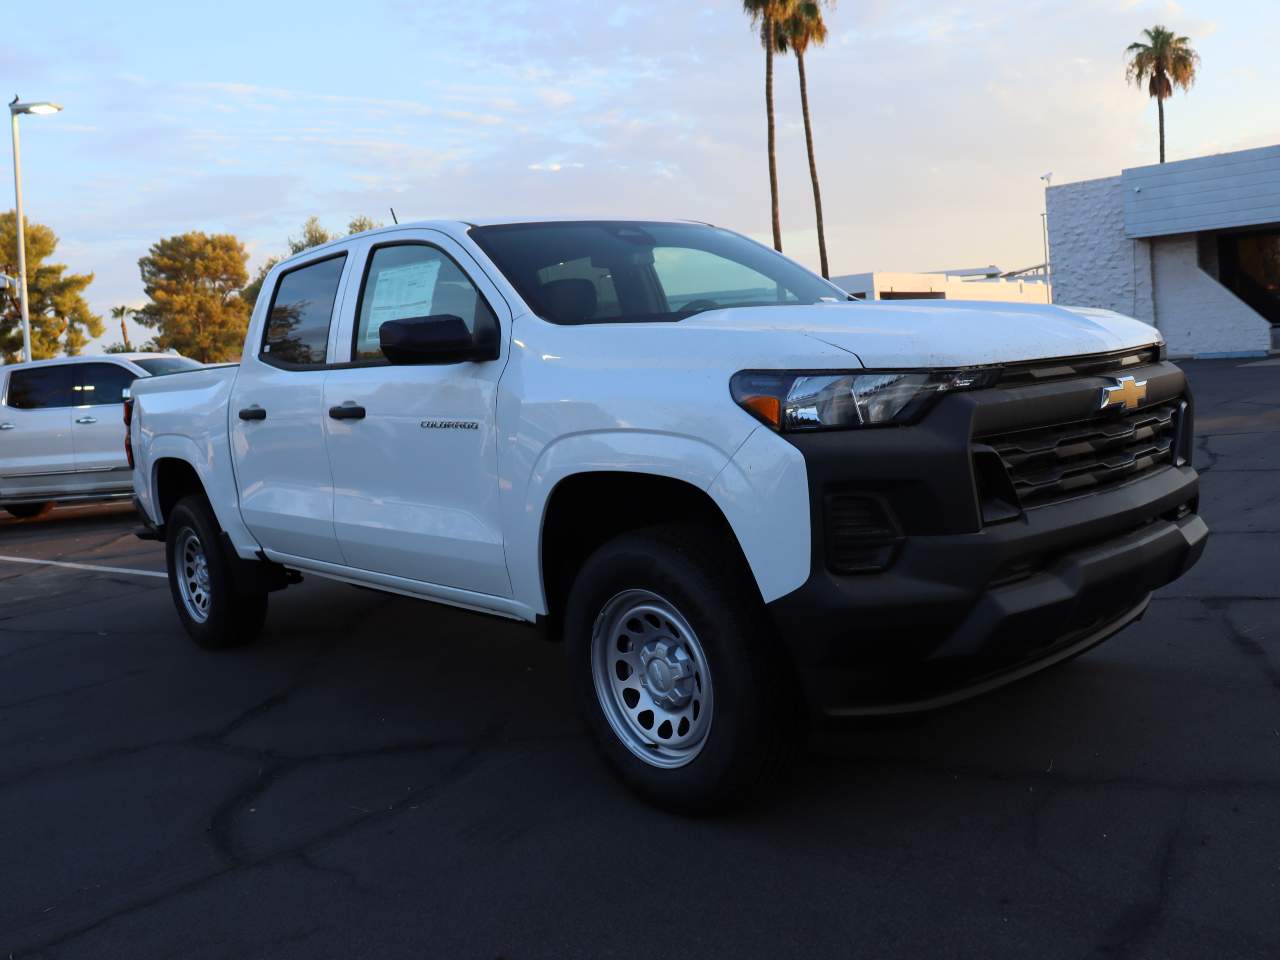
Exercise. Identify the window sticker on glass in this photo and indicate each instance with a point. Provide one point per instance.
(404, 291)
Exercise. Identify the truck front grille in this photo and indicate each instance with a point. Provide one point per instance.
(1055, 462)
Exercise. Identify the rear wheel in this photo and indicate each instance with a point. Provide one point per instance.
(676, 670)
(28, 511)
(213, 612)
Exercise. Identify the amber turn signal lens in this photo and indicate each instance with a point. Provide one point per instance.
(768, 409)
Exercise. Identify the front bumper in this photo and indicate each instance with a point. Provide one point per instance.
(967, 604)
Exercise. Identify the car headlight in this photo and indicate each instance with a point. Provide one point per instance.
(803, 400)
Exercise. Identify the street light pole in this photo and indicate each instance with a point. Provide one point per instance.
(22, 240)
(16, 108)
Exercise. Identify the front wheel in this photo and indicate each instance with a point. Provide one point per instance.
(213, 612)
(676, 670)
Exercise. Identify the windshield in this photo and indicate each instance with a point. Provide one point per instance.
(619, 272)
(159, 366)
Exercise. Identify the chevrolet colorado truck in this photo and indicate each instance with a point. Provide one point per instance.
(743, 501)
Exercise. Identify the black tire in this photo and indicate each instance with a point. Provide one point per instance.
(29, 511)
(753, 722)
(231, 618)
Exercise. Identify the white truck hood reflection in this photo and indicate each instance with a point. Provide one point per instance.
(932, 333)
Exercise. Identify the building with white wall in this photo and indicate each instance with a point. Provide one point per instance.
(987, 283)
(1192, 247)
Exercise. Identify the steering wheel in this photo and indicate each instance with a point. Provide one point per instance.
(697, 306)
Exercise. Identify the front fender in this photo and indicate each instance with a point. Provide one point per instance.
(778, 558)
(764, 493)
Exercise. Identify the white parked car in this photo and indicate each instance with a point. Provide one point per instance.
(731, 490)
(62, 428)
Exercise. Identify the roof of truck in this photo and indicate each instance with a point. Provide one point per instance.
(88, 358)
(455, 227)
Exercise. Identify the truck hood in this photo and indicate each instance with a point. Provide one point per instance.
(932, 333)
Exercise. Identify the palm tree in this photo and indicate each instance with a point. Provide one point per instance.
(123, 313)
(1165, 61)
(769, 13)
(804, 27)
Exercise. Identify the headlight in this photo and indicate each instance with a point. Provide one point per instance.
(801, 400)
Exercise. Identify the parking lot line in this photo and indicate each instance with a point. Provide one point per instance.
(86, 566)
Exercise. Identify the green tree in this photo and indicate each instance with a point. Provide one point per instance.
(803, 28)
(148, 347)
(61, 321)
(254, 287)
(313, 235)
(1163, 62)
(362, 223)
(768, 14)
(121, 314)
(193, 281)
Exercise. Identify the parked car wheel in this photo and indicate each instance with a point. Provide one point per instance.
(213, 612)
(28, 511)
(676, 670)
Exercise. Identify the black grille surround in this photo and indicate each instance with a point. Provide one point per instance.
(1075, 368)
(980, 581)
(1060, 461)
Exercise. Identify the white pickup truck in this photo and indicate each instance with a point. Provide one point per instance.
(744, 501)
(61, 429)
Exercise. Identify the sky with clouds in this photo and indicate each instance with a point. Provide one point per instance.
(933, 121)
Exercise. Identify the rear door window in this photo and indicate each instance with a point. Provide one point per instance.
(297, 330)
(38, 388)
(102, 383)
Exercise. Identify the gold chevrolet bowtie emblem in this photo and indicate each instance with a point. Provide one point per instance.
(1127, 393)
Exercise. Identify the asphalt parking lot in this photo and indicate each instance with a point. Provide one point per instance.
(383, 778)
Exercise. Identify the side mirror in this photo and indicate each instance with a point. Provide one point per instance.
(443, 338)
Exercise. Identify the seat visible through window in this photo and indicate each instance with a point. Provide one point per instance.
(572, 300)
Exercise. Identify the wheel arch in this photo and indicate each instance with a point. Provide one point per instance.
(173, 478)
(586, 509)
(175, 466)
(760, 493)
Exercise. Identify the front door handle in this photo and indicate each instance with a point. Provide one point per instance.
(6, 426)
(348, 411)
(253, 413)
(86, 419)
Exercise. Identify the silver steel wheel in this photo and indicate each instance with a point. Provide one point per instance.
(652, 678)
(193, 575)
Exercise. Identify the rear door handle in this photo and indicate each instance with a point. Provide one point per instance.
(86, 419)
(6, 426)
(348, 411)
(253, 413)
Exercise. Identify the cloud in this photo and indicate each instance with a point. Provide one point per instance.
(555, 166)
(554, 96)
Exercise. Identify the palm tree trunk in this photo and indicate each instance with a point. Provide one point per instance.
(767, 29)
(124, 333)
(1160, 108)
(813, 164)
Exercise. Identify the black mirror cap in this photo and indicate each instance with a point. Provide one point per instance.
(443, 338)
